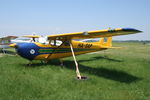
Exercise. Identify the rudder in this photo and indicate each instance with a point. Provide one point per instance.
(106, 41)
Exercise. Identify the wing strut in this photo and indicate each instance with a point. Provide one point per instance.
(76, 63)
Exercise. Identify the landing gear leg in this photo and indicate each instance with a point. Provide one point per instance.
(3, 51)
(61, 62)
(44, 61)
(30, 63)
(77, 66)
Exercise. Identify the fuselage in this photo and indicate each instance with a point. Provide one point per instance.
(38, 51)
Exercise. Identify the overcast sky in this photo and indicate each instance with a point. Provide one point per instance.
(45, 17)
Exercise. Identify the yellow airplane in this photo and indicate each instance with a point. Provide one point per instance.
(68, 46)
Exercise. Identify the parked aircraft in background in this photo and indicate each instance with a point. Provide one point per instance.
(5, 42)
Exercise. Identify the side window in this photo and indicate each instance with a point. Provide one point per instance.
(55, 42)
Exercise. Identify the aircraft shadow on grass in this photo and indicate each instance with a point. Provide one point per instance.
(110, 74)
(106, 73)
(100, 58)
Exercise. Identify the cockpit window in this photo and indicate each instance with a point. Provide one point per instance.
(55, 42)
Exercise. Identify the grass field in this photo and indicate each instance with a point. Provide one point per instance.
(120, 74)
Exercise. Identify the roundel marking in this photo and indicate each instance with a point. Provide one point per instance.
(32, 51)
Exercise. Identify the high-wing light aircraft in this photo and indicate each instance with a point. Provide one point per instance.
(5, 42)
(70, 47)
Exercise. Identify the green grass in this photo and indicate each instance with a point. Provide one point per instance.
(123, 74)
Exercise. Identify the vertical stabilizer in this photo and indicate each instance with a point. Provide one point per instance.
(106, 41)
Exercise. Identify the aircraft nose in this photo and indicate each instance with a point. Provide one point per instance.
(27, 50)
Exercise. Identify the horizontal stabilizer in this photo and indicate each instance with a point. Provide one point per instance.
(107, 47)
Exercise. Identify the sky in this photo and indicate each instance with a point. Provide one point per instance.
(46, 17)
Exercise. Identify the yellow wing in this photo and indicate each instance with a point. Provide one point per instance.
(95, 34)
(32, 36)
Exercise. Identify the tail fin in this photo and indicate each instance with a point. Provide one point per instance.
(106, 41)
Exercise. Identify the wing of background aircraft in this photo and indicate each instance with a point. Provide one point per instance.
(94, 34)
(7, 38)
(6, 41)
(32, 36)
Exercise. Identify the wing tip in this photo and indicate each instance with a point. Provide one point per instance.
(131, 29)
